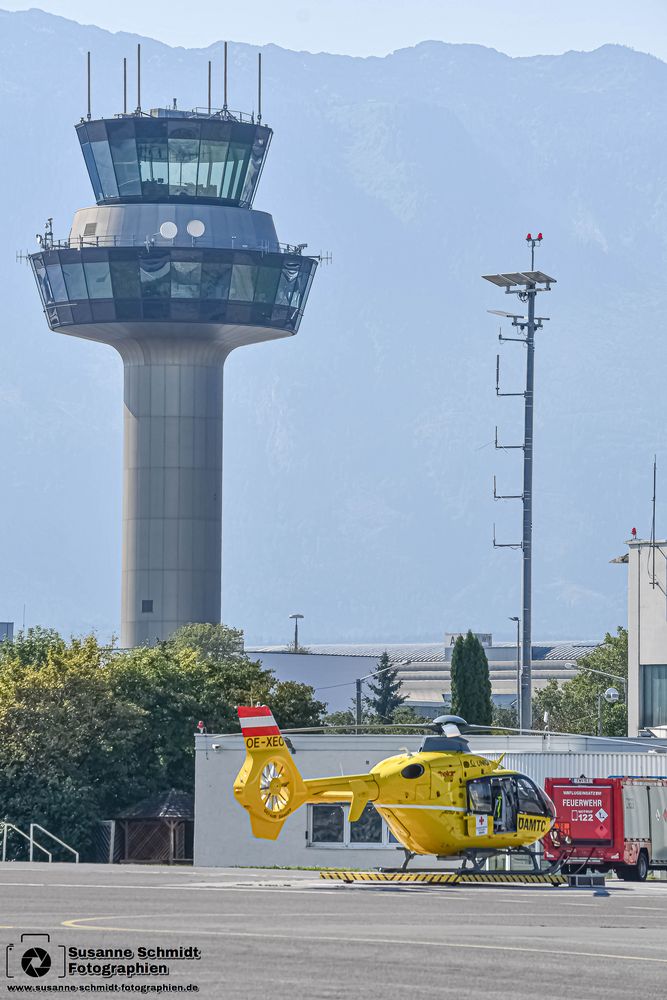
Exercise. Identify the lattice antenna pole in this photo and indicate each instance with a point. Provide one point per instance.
(525, 285)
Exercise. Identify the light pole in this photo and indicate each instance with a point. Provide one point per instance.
(525, 285)
(518, 669)
(296, 631)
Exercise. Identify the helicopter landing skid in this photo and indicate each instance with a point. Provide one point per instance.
(473, 861)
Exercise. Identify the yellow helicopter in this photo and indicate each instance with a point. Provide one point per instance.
(443, 800)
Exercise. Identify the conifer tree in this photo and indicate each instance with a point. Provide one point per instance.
(471, 685)
(385, 688)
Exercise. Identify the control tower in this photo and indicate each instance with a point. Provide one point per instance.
(174, 269)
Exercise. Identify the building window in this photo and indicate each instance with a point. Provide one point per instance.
(329, 826)
(653, 699)
(146, 606)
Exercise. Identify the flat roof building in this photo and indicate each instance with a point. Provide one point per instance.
(423, 668)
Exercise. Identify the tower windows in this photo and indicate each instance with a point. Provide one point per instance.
(185, 279)
(124, 156)
(131, 284)
(105, 169)
(242, 287)
(98, 279)
(74, 279)
(167, 159)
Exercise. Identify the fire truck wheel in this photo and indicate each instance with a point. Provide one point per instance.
(634, 873)
(641, 868)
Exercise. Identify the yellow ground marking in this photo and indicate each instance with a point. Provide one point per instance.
(445, 877)
(354, 939)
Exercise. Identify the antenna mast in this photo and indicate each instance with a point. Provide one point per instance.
(89, 111)
(224, 97)
(259, 88)
(139, 78)
(124, 85)
(655, 466)
(209, 86)
(525, 285)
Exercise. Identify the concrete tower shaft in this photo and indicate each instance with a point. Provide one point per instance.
(174, 269)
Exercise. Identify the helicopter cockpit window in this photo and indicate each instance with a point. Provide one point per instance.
(530, 798)
(479, 795)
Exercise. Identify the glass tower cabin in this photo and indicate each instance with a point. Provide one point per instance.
(174, 268)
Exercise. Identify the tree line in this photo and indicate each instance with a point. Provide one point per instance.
(87, 730)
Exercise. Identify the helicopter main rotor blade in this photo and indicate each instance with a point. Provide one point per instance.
(646, 743)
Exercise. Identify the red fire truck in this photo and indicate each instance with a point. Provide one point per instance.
(609, 823)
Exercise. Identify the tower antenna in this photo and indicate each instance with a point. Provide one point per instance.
(655, 466)
(124, 85)
(224, 91)
(209, 86)
(89, 112)
(139, 78)
(259, 88)
(525, 285)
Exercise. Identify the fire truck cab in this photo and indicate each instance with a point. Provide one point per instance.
(616, 823)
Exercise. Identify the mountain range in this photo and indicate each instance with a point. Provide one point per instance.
(359, 455)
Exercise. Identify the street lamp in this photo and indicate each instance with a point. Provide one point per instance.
(518, 669)
(611, 696)
(602, 673)
(296, 631)
(358, 682)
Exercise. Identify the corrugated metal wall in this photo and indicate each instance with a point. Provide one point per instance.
(539, 766)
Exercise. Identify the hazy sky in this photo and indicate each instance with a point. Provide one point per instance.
(375, 27)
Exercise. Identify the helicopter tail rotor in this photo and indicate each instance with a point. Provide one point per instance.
(268, 785)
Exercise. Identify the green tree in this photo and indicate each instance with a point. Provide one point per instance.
(294, 706)
(31, 647)
(385, 688)
(86, 731)
(572, 707)
(70, 748)
(216, 643)
(471, 685)
(403, 716)
(505, 717)
(199, 674)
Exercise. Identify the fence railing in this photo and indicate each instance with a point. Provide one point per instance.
(6, 827)
(157, 242)
(36, 826)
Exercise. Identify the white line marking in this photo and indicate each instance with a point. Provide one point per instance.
(82, 924)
